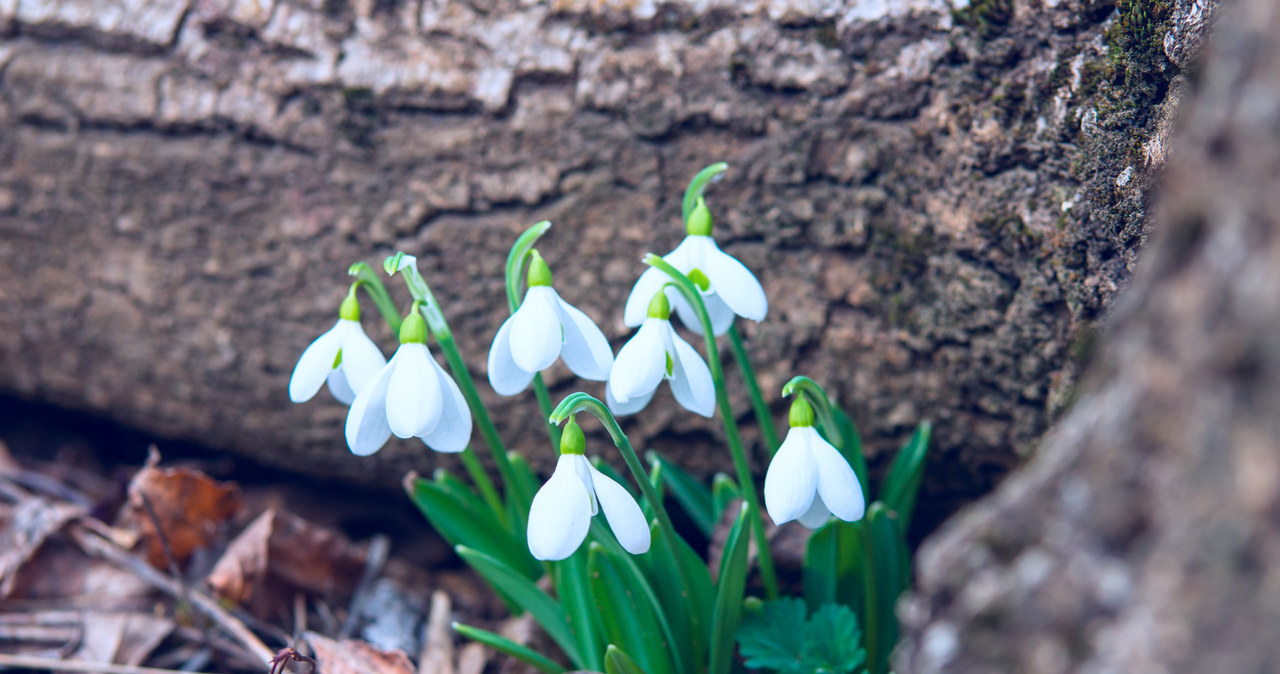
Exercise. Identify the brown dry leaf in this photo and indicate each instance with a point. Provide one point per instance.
(353, 656)
(189, 505)
(23, 529)
(285, 547)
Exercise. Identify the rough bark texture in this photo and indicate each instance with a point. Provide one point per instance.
(938, 201)
(1145, 534)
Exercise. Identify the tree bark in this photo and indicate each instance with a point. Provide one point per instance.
(938, 201)
(1144, 536)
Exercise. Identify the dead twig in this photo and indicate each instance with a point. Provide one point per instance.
(284, 656)
(55, 665)
(202, 602)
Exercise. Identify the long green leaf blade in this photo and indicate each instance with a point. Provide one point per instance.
(723, 492)
(543, 608)
(617, 662)
(883, 582)
(629, 620)
(692, 495)
(902, 484)
(504, 645)
(580, 608)
(729, 591)
(462, 518)
(821, 566)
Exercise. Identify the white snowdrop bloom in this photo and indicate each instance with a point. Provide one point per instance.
(344, 356)
(808, 479)
(410, 396)
(728, 287)
(656, 353)
(544, 328)
(561, 512)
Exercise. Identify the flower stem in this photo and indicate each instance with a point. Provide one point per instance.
(440, 329)
(753, 390)
(377, 292)
(745, 480)
(544, 403)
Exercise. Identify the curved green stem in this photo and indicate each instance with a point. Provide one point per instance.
(763, 417)
(740, 465)
(699, 185)
(544, 403)
(440, 329)
(373, 287)
(515, 270)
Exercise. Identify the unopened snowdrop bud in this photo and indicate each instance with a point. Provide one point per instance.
(344, 357)
(728, 288)
(410, 396)
(561, 512)
(808, 480)
(654, 354)
(544, 328)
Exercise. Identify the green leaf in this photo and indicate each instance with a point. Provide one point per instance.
(688, 611)
(729, 587)
(902, 484)
(503, 645)
(524, 486)
(617, 662)
(723, 492)
(627, 615)
(699, 185)
(462, 518)
(543, 608)
(821, 566)
(692, 495)
(775, 638)
(573, 589)
(883, 581)
(833, 641)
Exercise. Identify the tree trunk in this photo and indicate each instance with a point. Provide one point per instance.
(1145, 535)
(938, 201)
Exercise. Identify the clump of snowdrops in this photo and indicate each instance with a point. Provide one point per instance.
(626, 593)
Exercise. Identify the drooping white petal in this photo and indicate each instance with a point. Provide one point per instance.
(623, 513)
(536, 336)
(453, 431)
(505, 376)
(361, 358)
(586, 350)
(632, 405)
(732, 281)
(691, 381)
(339, 387)
(413, 392)
(637, 307)
(314, 365)
(720, 314)
(560, 514)
(816, 516)
(838, 486)
(791, 482)
(367, 430)
(641, 362)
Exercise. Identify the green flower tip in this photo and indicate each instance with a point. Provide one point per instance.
(801, 413)
(571, 439)
(539, 272)
(699, 222)
(700, 279)
(413, 329)
(350, 309)
(660, 306)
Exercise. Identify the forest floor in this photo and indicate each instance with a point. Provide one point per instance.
(120, 554)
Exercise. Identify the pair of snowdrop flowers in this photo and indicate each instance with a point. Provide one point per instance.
(808, 479)
(408, 396)
(561, 512)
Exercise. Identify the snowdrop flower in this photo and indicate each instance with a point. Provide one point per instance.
(544, 328)
(562, 509)
(344, 356)
(656, 353)
(728, 288)
(808, 480)
(410, 396)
